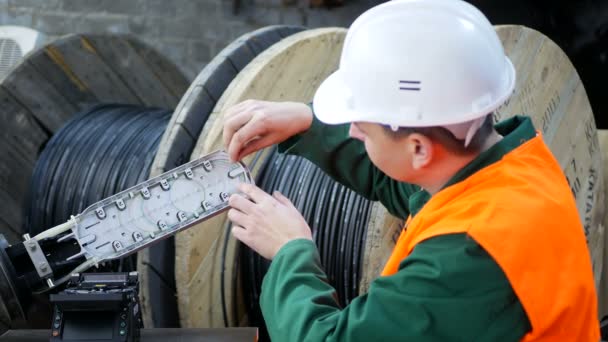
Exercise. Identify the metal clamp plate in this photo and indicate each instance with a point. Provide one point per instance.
(38, 259)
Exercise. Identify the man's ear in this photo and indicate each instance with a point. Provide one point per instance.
(421, 150)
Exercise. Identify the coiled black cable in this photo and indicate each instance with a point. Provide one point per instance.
(337, 216)
(108, 148)
(99, 152)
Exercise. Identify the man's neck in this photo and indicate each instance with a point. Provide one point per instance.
(448, 166)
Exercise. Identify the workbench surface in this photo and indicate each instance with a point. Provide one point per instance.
(153, 335)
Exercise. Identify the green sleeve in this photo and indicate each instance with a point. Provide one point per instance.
(345, 160)
(449, 288)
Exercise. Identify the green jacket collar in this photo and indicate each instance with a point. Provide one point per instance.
(515, 131)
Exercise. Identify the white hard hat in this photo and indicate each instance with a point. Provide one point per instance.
(418, 63)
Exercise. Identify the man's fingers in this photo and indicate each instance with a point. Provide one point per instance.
(239, 107)
(256, 194)
(233, 124)
(251, 130)
(241, 203)
(281, 198)
(240, 234)
(238, 218)
(256, 145)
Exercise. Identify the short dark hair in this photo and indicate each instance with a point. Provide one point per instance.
(446, 138)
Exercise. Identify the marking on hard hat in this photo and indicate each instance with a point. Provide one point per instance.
(413, 83)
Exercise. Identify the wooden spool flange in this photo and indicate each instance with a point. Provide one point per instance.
(290, 70)
(156, 264)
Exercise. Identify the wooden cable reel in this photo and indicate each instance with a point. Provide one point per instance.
(289, 70)
(549, 90)
(156, 264)
(52, 83)
(602, 289)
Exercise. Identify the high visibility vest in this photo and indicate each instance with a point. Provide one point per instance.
(521, 211)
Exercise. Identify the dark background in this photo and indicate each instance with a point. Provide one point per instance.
(580, 28)
(192, 32)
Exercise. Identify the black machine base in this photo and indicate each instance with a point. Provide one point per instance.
(97, 307)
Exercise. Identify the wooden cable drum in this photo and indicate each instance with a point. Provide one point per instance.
(549, 90)
(66, 76)
(53, 83)
(603, 284)
(156, 264)
(290, 70)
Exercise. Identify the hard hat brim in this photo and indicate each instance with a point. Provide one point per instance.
(332, 102)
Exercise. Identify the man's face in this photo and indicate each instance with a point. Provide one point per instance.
(389, 154)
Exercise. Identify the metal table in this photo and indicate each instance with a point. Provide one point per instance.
(152, 335)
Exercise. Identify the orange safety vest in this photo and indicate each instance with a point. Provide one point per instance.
(521, 211)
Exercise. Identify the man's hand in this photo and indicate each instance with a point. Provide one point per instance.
(265, 223)
(252, 125)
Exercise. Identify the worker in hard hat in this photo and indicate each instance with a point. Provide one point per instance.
(492, 249)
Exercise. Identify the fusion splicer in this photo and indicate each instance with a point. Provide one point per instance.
(97, 307)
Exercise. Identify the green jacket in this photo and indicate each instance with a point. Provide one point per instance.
(447, 289)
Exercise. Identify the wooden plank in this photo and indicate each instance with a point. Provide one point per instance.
(40, 97)
(78, 57)
(289, 70)
(198, 105)
(61, 77)
(288, 30)
(261, 41)
(165, 70)
(223, 72)
(239, 54)
(20, 140)
(119, 54)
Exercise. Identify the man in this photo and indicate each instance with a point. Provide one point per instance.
(493, 249)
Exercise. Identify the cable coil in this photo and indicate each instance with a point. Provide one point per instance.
(99, 152)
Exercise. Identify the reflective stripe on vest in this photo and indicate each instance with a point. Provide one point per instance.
(522, 212)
